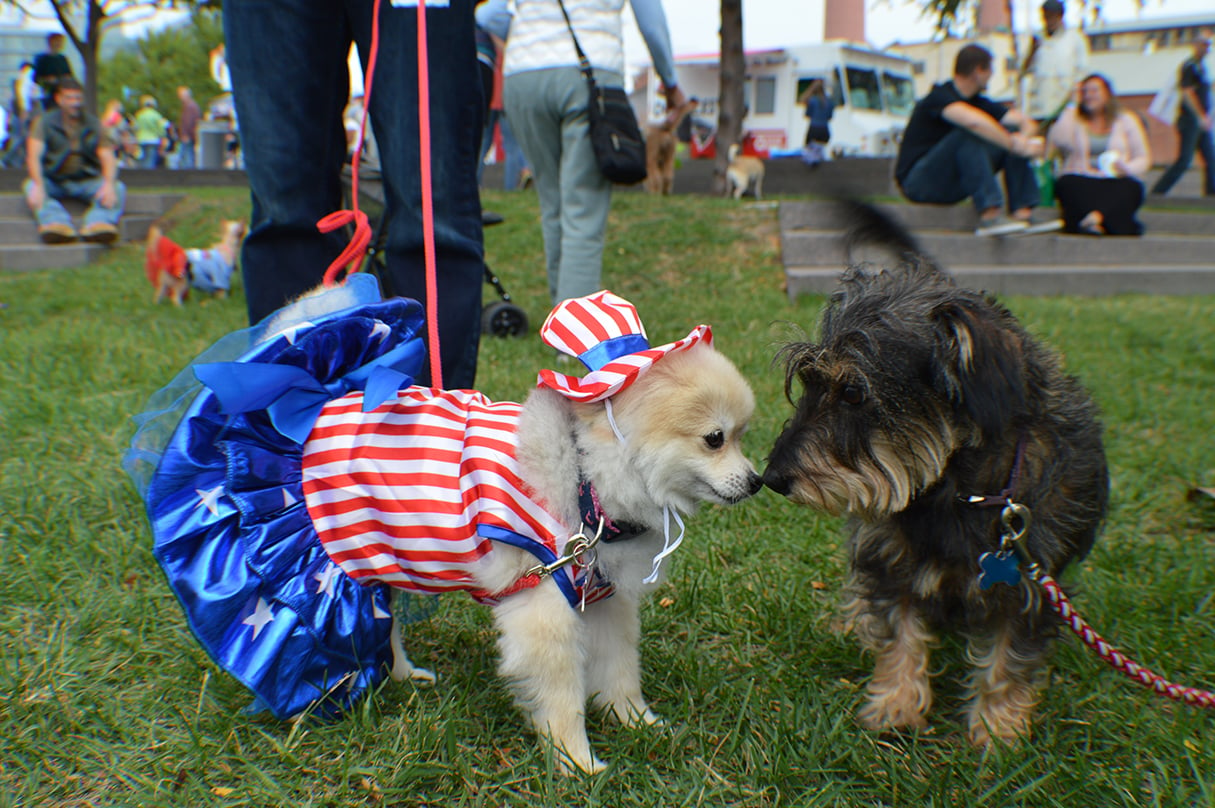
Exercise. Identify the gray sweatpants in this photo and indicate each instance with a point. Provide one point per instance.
(547, 110)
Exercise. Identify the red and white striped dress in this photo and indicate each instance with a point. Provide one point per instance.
(411, 493)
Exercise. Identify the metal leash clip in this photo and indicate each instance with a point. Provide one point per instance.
(1004, 566)
(581, 553)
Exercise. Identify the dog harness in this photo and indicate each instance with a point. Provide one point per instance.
(413, 493)
(294, 479)
(209, 270)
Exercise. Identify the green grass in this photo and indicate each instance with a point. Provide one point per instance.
(106, 700)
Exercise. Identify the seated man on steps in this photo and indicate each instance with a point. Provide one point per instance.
(70, 155)
(956, 142)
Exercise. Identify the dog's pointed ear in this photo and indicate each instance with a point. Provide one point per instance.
(980, 364)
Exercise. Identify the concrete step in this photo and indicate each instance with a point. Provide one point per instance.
(139, 202)
(805, 248)
(824, 215)
(21, 250)
(15, 232)
(1012, 279)
(12, 178)
(26, 257)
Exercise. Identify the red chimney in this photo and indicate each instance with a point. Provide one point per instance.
(844, 19)
(993, 16)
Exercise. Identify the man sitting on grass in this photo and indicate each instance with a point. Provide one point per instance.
(71, 156)
(958, 139)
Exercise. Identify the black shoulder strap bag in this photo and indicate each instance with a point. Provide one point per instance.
(615, 136)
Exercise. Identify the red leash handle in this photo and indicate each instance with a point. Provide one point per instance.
(1063, 606)
(348, 258)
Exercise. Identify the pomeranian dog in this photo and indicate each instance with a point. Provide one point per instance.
(174, 271)
(660, 145)
(743, 174)
(960, 448)
(558, 513)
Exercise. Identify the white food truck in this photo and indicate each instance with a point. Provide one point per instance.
(873, 92)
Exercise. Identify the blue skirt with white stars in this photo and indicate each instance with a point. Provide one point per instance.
(218, 460)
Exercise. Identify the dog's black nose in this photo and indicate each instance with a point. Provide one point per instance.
(754, 484)
(777, 482)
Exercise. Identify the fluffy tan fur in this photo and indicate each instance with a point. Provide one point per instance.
(660, 145)
(682, 425)
(743, 173)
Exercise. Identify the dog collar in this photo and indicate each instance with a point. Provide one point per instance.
(590, 511)
(1005, 496)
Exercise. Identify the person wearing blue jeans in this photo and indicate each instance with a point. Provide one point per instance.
(965, 166)
(289, 100)
(70, 155)
(1194, 122)
(958, 140)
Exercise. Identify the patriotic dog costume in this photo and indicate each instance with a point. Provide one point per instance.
(299, 482)
(206, 270)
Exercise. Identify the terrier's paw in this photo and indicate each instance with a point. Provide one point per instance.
(894, 710)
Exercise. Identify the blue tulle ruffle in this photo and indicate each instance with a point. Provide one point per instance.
(224, 496)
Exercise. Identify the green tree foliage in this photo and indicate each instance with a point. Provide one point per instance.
(161, 62)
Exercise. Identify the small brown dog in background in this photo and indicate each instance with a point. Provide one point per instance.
(660, 143)
(173, 271)
(743, 172)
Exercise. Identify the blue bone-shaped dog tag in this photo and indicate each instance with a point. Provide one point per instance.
(998, 568)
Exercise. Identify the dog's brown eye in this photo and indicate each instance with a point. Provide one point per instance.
(715, 440)
(852, 395)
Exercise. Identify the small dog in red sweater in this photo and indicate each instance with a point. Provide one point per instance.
(173, 271)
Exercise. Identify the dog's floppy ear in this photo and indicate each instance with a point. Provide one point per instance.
(980, 364)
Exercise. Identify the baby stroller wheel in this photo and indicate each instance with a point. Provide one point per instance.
(502, 319)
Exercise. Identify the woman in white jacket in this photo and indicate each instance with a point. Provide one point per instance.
(545, 96)
(1105, 158)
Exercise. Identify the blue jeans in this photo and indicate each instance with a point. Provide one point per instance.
(289, 100)
(964, 166)
(149, 154)
(53, 212)
(1193, 138)
(185, 155)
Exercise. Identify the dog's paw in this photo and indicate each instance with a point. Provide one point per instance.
(407, 672)
(423, 677)
(570, 767)
(1006, 717)
(892, 711)
(650, 719)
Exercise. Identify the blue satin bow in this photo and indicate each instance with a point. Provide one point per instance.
(293, 397)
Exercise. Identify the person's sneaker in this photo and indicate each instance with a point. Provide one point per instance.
(57, 234)
(1046, 226)
(100, 233)
(1000, 226)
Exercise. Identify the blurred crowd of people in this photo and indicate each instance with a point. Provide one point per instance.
(144, 136)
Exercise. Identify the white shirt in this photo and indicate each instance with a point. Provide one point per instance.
(1059, 63)
(539, 37)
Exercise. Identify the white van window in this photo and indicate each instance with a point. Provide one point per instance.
(863, 89)
(898, 93)
(765, 95)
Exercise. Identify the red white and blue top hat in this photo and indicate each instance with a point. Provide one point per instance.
(604, 332)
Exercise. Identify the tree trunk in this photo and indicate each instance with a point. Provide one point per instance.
(88, 54)
(730, 94)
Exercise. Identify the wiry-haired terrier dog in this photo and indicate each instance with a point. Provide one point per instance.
(923, 404)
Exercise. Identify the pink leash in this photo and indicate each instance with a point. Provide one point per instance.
(350, 259)
(1004, 567)
(1063, 606)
